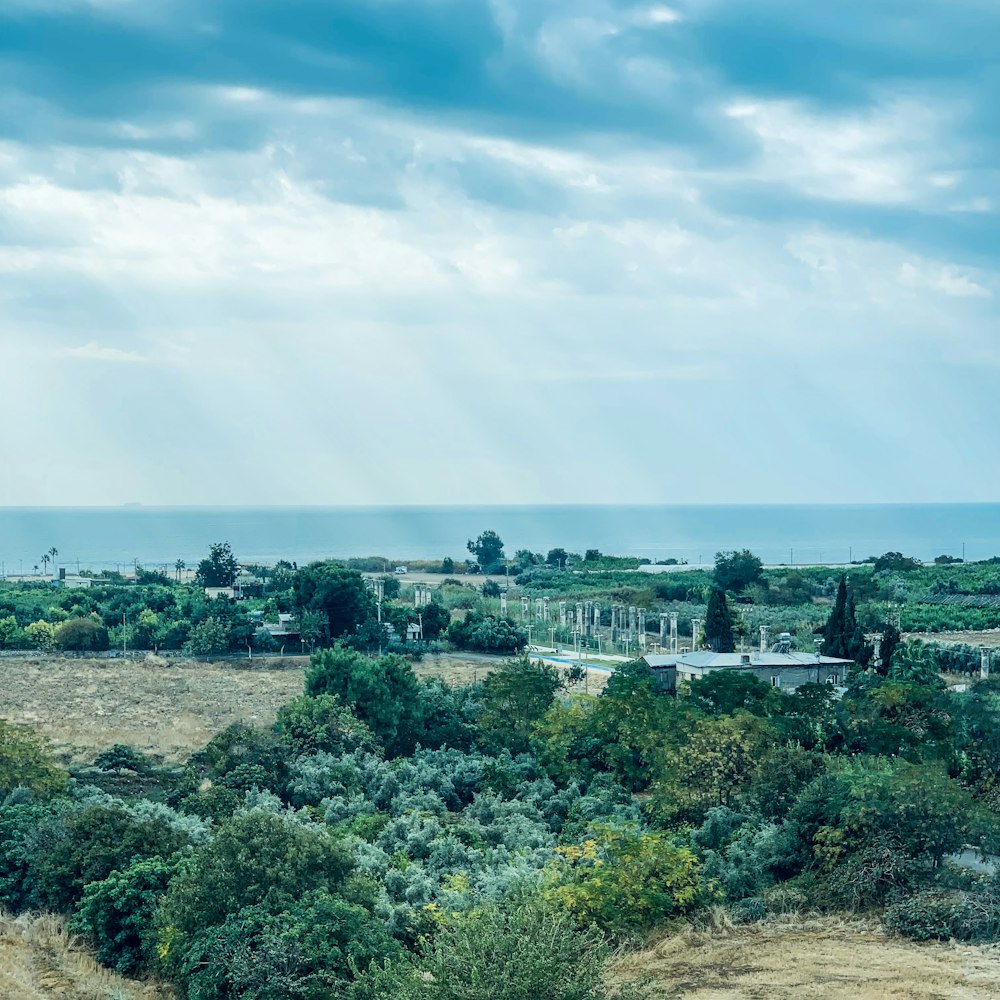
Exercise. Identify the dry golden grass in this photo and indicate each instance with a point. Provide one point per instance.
(814, 959)
(40, 959)
(172, 709)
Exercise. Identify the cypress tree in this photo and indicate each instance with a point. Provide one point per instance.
(719, 623)
(836, 634)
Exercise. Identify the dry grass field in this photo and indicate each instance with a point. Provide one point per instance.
(169, 708)
(815, 959)
(39, 960)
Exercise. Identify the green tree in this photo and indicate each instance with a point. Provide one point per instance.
(722, 757)
(255, 858)
(117, 914)
(41, 634)
(81, 635)
(339, 593)
(220, 568)
(207, 638)
(488, 550)
(26, 762)
(719, 622)
(381, 692)
(735, 571)
(557, 558)
(514, 697)
(723, 692)
(321, 724)
(912, 661)
(627, 881)
(487, 634)
(436, 618)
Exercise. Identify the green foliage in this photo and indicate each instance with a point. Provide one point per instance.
(723, 692)
(208, 638)
(521, 951)
(488, 550)
(340, 594)
(381, 692)
(255, 859)
(487, 634)
(219, 568)
(78, 847)
(914, 663)
(81, 635)
(26, 762)
(948, 914)
(312, 949)
(117, 914)
(514, 697)
(626, 882)
(722, 757)
(41, 634)
(896, 562)
(719, 623)
(735, 571)
(321, 724)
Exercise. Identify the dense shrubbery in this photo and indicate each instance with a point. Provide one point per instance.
(392, 837)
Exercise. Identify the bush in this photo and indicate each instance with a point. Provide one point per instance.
(943, 915)
(627, 882)
(117, 914)
(514, 952)
(748, 911)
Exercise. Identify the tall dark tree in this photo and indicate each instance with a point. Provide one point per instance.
(838, 631)
(488, 549)
(719, 622)
(220, 568)
(341, 594)
(843, 636)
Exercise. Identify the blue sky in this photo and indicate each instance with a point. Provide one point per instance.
(466, 251)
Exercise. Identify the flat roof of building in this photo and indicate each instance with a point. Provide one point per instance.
(707, 660)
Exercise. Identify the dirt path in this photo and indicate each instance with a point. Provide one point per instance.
(817, 960)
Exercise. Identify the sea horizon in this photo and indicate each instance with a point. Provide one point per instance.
(780, 533)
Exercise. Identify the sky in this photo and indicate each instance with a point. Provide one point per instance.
(499, 251)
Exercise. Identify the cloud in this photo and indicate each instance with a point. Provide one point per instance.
(392, 240)
(946, 280)
(93, 351)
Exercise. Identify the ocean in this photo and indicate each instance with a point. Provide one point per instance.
(99, 538)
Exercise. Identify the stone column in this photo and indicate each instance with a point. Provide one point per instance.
(562, 614)
(763, 638)
(673, 632)
(984, 662)
(503, 603)
(695, 628)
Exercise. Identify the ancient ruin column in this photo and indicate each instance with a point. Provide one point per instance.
(984, 662)
(562, 614)
(503, 603)
(695, 627)
(763, 638)
(663, 632)
(673, 632)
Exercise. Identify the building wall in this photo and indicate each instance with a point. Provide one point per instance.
(667, 678)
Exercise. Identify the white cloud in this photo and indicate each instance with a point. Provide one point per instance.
(93, 351)
(946, 280)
